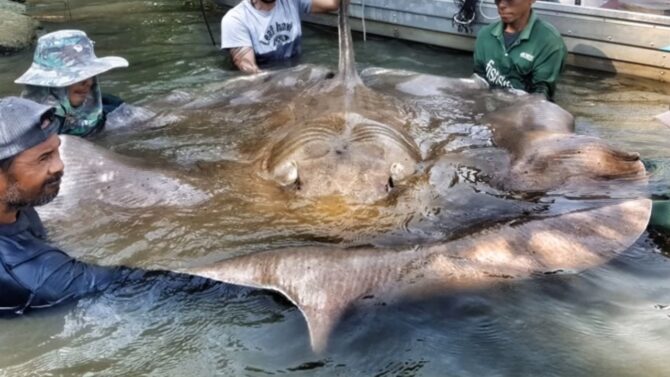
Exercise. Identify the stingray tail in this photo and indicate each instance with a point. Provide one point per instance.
(347, 64)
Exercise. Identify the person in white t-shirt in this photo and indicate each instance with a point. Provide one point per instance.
(257, 32)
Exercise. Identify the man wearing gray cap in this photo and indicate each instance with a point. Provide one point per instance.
(34, 274)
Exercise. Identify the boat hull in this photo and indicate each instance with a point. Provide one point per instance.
(610, 40)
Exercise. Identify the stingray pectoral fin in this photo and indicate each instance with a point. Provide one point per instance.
(515, 127)
(560, 160)
(93, 173)
(324, 282)
(572, 241)
(664, 118)
(126, 116)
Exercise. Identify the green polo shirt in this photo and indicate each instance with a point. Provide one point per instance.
(532, 63)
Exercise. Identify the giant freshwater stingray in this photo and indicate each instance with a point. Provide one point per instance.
(510, 195)
(535, 152)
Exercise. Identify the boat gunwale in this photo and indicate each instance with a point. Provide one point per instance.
(613, 14)
(618, 14)
(649, 54)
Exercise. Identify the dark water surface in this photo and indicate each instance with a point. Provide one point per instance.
(610, 321)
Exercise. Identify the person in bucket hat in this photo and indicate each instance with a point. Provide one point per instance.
(64, 75)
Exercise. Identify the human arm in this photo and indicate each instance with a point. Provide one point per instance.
(236, 38)
(244, 59)
(547, 69)
(37, 274)
(323, 6)
(478, 57)
(52, 277)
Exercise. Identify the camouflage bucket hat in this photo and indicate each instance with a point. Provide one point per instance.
(66, 57)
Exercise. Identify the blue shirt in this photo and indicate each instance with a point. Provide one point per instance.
(34, 274)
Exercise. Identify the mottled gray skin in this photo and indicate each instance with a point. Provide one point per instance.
(341, 139)
(324, 282)
(531, 151)
(94, 175)
(534, 151)
(664, 118)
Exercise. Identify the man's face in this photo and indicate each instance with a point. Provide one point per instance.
(34, 177)
(511, 11)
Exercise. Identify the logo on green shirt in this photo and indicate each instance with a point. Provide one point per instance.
(494, 76)
(527, 56)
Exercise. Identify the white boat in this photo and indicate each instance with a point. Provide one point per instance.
(633, 38)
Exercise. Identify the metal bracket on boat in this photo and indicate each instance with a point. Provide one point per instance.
(466, 15)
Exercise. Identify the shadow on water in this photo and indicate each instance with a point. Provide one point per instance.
(551, 326)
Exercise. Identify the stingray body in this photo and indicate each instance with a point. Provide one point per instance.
(341, 138)
(325, 282)
(529, 154)
(96, 175)
(510, 195)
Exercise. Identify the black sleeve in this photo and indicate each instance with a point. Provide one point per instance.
(53, 277)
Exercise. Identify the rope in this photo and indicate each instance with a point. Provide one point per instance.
(67, 7)
(204, 17)
(365, 33)
(466, 15)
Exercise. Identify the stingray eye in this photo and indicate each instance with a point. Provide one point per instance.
(390, 184)
(399, 172)
(287, 173)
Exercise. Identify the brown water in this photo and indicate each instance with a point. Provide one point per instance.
(610, 321)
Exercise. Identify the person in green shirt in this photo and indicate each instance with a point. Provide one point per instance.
(520, 51)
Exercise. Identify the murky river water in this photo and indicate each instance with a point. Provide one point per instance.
(610, 321)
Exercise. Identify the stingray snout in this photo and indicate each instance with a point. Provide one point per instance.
(360, 181)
